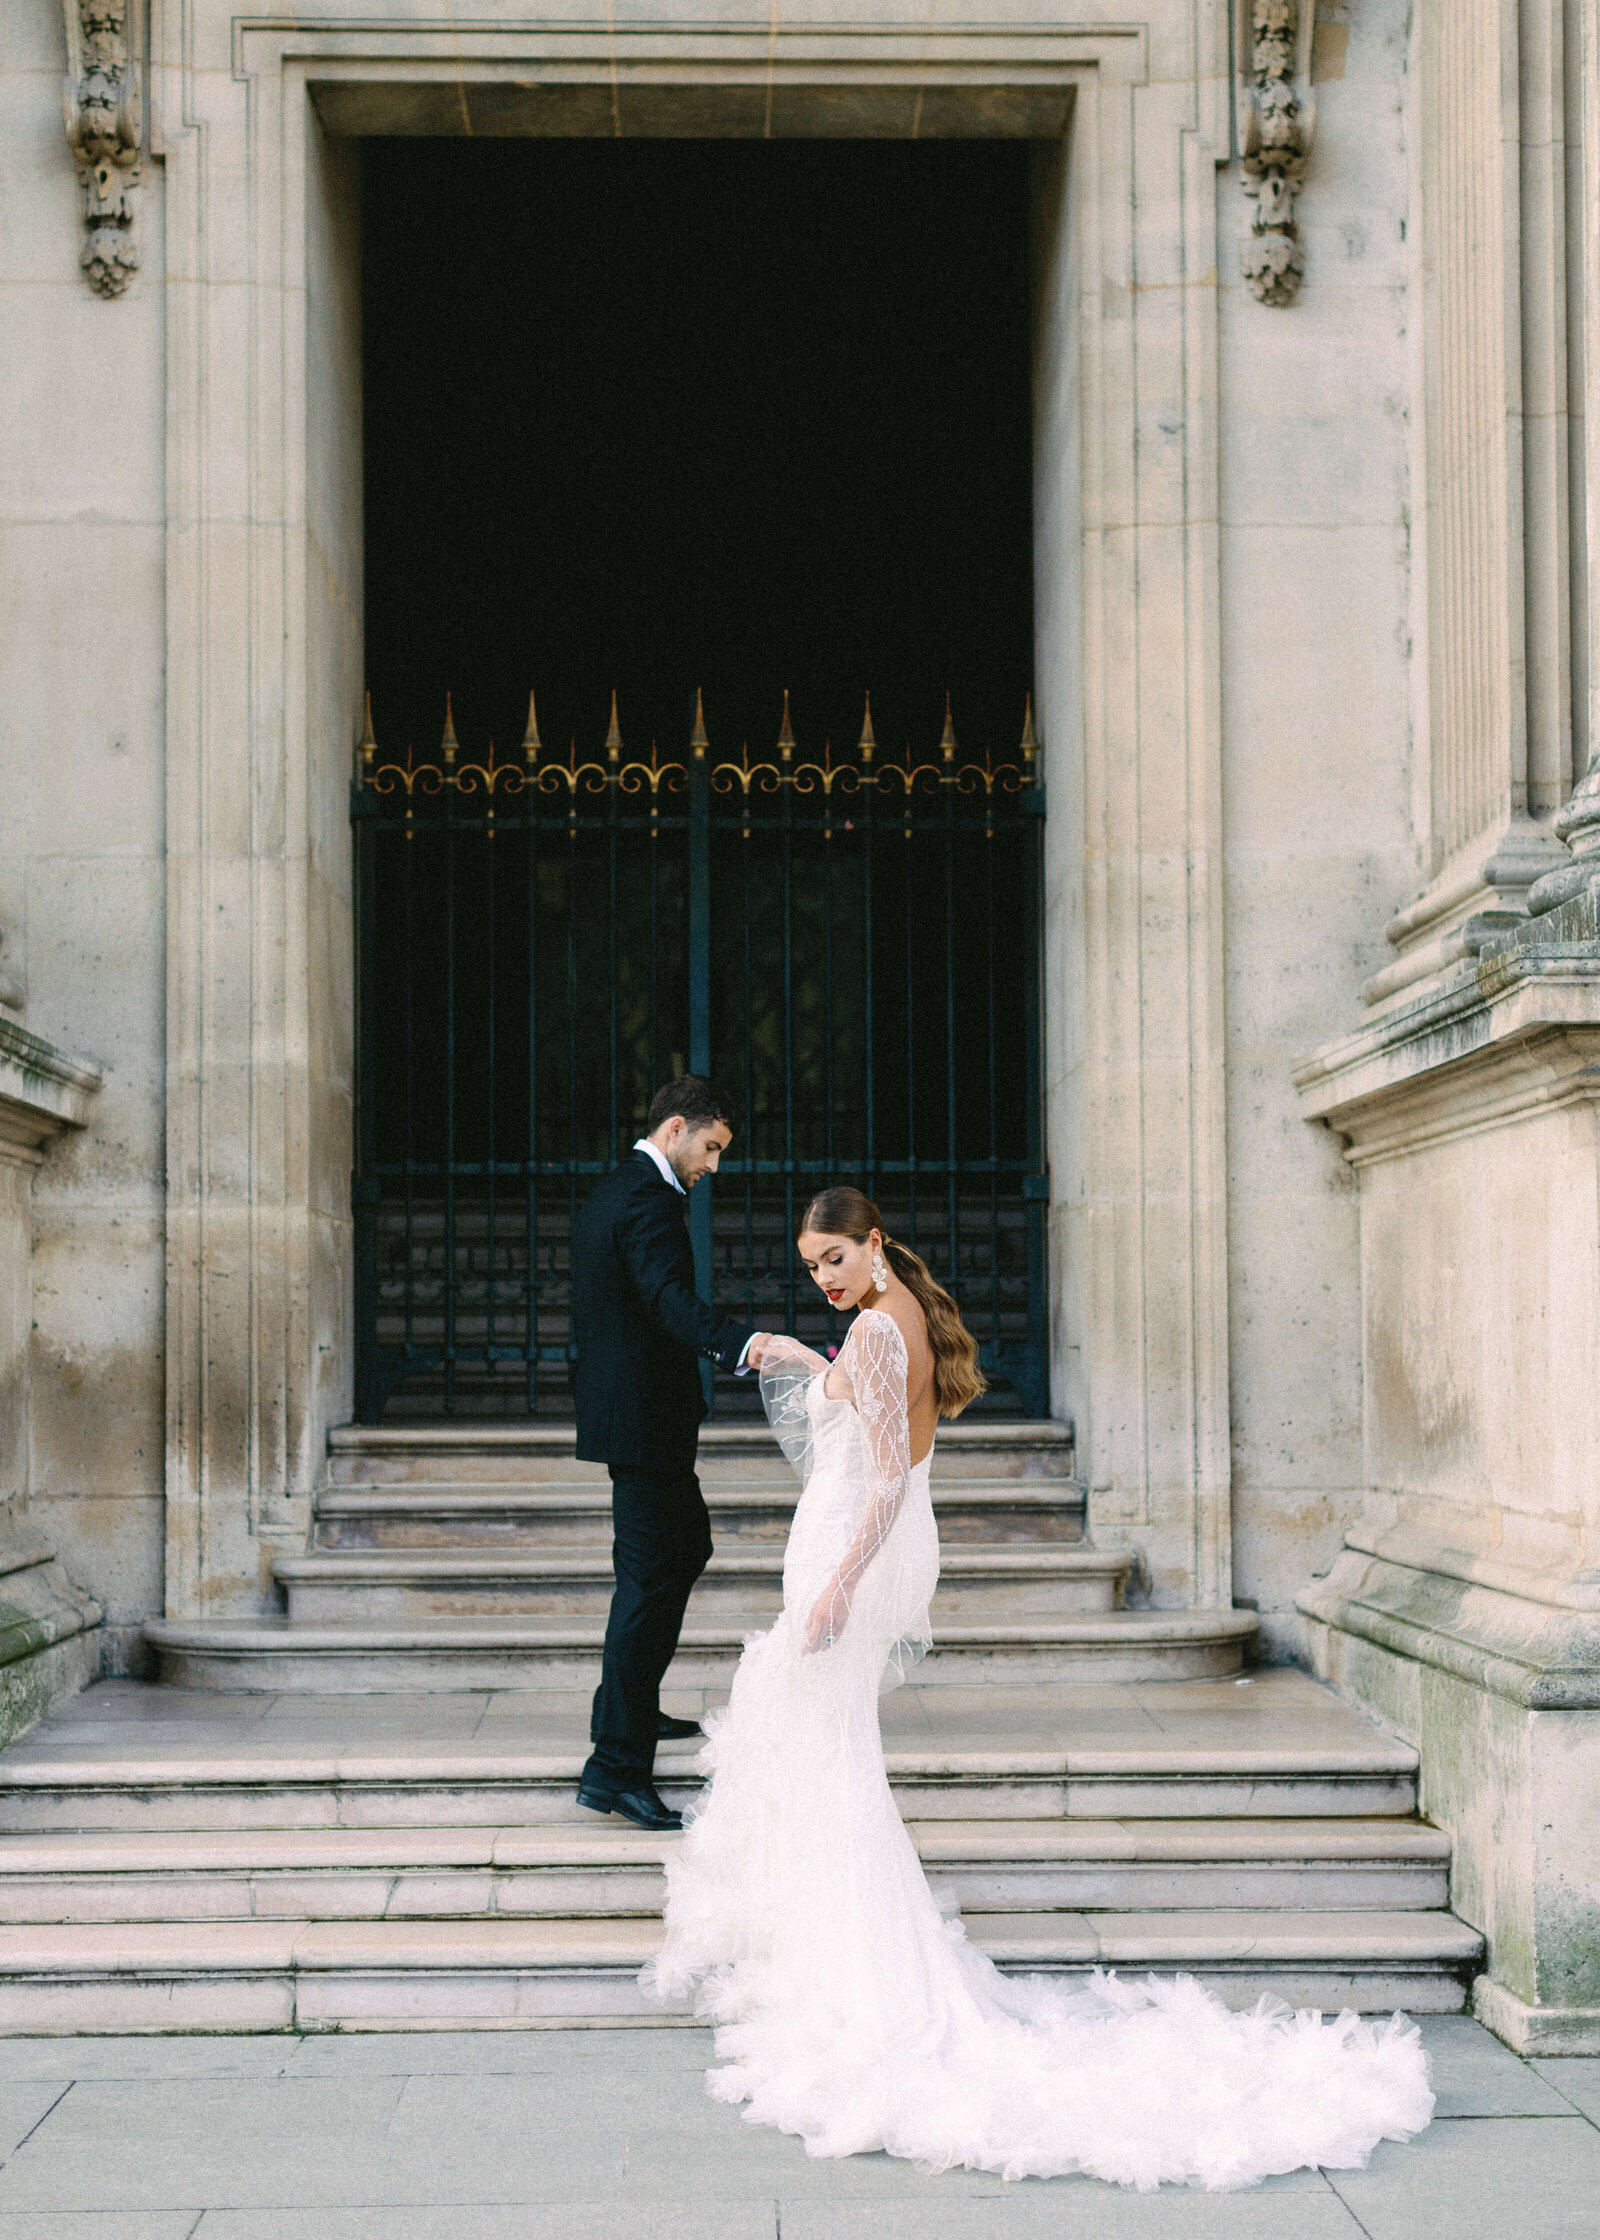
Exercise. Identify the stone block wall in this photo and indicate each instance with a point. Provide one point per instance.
(82, 816)
(1316, 779)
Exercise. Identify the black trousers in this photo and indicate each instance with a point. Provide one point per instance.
(661, 1543)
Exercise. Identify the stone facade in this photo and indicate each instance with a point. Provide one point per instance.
(1315, 493)
(49, 1629)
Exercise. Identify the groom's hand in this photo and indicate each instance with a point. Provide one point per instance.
(754, 1351)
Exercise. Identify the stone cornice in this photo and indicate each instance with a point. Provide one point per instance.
(42, 1090)
(1519, 1030)
(1536, 1655)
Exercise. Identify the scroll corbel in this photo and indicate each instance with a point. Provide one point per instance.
(1276, 112)
(102, 104)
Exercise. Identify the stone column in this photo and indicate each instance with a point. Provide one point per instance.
(1466, 1606)
(48, 1646)
(1492, 548)
(263, 697)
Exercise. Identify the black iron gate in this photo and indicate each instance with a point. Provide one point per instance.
(851, 949)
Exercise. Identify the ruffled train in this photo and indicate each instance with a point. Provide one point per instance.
(849, 2010)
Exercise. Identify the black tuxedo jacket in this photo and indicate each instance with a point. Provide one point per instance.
(639, 1324)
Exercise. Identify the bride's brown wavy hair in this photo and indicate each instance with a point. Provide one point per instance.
(957, 1379)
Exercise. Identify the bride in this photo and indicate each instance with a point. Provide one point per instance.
(848, 2008)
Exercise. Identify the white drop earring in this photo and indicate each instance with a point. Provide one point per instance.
(880, 1271)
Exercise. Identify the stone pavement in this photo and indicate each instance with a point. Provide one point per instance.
(579, 2134)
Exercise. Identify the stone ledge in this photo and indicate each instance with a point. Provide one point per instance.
(1534, 2030)
(32, 1685)
(1534, 1654)
(42, 1090)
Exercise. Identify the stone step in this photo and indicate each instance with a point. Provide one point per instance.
(577, 1513)
(395, 1586)
(1028, 1790)
(344, 1975)
(564, 1651)
(532, 1453)
(443, 1873)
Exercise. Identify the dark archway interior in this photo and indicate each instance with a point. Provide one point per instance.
(744, 415)
(654, 416)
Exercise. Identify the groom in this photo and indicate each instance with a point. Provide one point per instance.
(640, 1330)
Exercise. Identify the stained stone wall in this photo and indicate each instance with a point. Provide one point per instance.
(1222, 585)
(1316, 779)
(1291, 779)
(83, 494)
(1465, 1607)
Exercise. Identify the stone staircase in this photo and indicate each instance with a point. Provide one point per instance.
(360, 1815)
(480, 1558)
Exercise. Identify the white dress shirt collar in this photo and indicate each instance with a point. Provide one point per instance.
(653, 1151)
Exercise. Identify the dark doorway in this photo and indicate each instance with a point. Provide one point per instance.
(647, 417)
(732, 414)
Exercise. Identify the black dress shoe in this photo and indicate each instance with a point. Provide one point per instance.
(642, 1806)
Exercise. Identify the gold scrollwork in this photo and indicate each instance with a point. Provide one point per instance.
(470, 777)
(809, 776)
(908, 775)
(576, 776)
(989, 774)
(903, 779)
(416, 777)
(633, 777)
(726, 775)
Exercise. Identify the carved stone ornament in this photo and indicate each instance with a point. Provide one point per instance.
(1276, 114)
(1578, 824)
(101, 101)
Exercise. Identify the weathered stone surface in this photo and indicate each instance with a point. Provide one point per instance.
(1466, 1608)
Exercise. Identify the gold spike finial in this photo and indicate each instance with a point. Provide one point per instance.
(947, 745)
(449, 742)
(367, 745)
(531, 741)
(614, 735)
(867, 742)
(786, 734)
(699, 744)
(1030, 744)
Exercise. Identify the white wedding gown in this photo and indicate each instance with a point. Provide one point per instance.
(848, 2008)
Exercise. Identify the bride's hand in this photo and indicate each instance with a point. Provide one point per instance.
(820, 1632)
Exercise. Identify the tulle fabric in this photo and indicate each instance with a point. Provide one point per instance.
(848, 2008)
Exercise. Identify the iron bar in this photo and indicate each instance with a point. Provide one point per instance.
(572, 1012)
(911, 1019)
(449, 1269)
(948, 781)
(702, 1209)
(530, 1289)
(408, 1265)
(492, 1268)
(869, 1040)
(989, 1053)
(749, 1071)
(613, 758)
(786, 750)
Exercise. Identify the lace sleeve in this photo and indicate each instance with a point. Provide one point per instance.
(876, 1363)
(784, 1352)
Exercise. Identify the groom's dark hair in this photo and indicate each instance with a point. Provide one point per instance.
(690, 1097)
